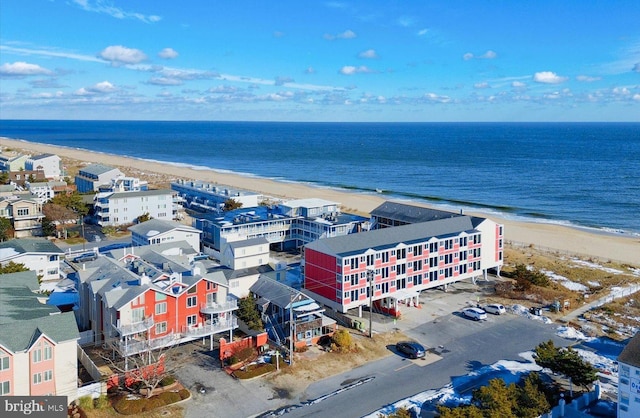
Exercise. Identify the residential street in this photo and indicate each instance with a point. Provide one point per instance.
(462, 344)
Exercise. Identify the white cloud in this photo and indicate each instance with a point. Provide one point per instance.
(168, 53)
(468, 56)
(587, 79)
(164, 81)
(309, 70)
(21, 68)
(423, 32)
(102, 6)
(483, 85)
(406, 21)
(118, 54)
(369, 53)
(518, 84)
(548, 77)
(489, 55)
(102, 87)
(48, 53)
(350, 70)
(636, 97)
(347, 34)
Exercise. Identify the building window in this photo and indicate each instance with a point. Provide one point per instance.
(192, 290)
(160, 296)
(192, 301)
(47, 352)
(48, 375)
(192, 320)
(5, 361)
(37, 378)
(161, 328)
(161, 308)
(37, 355)
(5, 388)
(23, 212)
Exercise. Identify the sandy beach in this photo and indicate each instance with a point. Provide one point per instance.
(561, 238)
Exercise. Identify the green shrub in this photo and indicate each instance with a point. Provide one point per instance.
(85, 402)
(184, 393)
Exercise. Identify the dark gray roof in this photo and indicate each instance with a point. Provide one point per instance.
(631, 353)
(275, 292)
(97, 169)
(42, 156)
(231, 274)
(389, 237)
(158, 192)
(23, 318)
(160, 226)
(30, 245)
(248, 242)
(409, 213)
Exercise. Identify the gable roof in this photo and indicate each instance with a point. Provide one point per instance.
(18, 246)
(43, 156)
(631, 353)
(248, 242)
(24, 319)
(410, 213)
(277, 293)
(158, 226)
(389, 237)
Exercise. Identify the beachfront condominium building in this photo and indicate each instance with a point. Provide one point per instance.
(50, 164)
(158, 231)
(287, 226)
(37, 342)
(36, 254)
(396, 263)
(207, 197)
(149, 298)
(390, 214)
(12, 161)
(123, 208)
(91, 177)
(629, 379)
(124, 184)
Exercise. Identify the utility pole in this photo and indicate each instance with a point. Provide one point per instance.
(292, 330)
(370, 277)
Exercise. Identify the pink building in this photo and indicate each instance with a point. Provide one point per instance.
(398, 262)
(37, 342)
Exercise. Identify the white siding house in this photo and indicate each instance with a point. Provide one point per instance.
(37, 254)
(50, 164)
(629, 379)
(90, 178)
(157, 231)
(245, 254)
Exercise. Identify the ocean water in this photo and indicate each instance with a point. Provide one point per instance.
(580, 174)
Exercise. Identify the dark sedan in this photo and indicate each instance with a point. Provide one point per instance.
(411, 349)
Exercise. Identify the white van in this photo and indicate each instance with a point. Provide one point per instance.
(495, 308)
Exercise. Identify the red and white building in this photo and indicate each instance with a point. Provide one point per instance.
(151, 298)
(398, 262)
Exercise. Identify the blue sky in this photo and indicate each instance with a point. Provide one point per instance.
(320, 60)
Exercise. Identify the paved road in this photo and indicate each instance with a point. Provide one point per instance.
(467, 345)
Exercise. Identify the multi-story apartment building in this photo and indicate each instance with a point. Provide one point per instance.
(25, 214)
(37, 254)
(152, 297)
(158, 231)
(207, 197)
(91, 177)
(288, 225)
(399, 262)
(37, 342)
(50, 164)
(122, 208)
(12, 161)
(629, 379)
(390, 214)
(125, 184)
(46, 191)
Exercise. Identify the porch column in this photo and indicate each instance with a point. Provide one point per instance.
(359, 311)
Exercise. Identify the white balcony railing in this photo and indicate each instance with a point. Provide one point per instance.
(134, 327)
(131, 347)
(209, 329)
(213, 307)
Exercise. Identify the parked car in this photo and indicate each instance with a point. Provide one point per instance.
(474, 313)
(495, 308)
(411, 349)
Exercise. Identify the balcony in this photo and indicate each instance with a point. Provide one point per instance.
(209, 329)
(213, 307)
(131, 347)
(134, 327)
